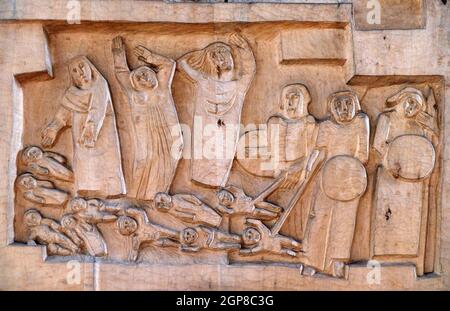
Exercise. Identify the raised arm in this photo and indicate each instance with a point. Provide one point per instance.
(192, 73)
(166, 66)
(246, 57)
(121, 68)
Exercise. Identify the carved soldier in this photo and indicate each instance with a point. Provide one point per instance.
(202, 237)
(188, 208)
(45, 163)
(257, 238)
(87, 108)
(46, 231)
(156, 132)
(135, 224)
(40, 191)
(297, 128)
(86, 236)
(222, 74)
(339, 186)
(405, 141)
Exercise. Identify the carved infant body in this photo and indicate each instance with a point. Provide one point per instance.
(187, 208)
(40, 191)
(47, 232)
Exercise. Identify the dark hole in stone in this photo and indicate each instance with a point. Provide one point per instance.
(388, 214)
(220, 122)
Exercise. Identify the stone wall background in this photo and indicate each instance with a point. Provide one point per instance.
(24, 52)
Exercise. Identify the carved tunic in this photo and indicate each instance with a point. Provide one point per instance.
(331, 224)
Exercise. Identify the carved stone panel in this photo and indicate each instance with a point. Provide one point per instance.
(227, 146)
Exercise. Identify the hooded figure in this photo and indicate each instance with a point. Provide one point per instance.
(222, 75)
(404, 140)
(44, 163)
(87, 108)
(339, 185)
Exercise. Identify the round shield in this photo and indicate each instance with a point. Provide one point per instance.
(411, 157)
(344, 178)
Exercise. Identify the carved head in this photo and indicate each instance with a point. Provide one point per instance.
(68, 221)
(344, 106)
(213, 60)
(32, 218)
(77, 204)
(32, 154)
(189, 236)
(409, 101)
(294, 101)
(225, 197)
(163, 202)
(144, 78)
(251, 236)
(127, 225)
(221, 57)
(26, 182)
(81, 72)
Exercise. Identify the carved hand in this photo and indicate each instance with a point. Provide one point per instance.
(48, 136)
(142, 53)
(87, 138)
(117, 45)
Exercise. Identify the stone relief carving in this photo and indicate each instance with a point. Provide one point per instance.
(40, 191)
(332, 215)
(135, 224)
(187, 208)
(154, 119)
(201, 237)
(222, 73)
(404, 141)
(304, 171)
(45, 164)
(46, 231)
(87, 108)
(258, 238)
